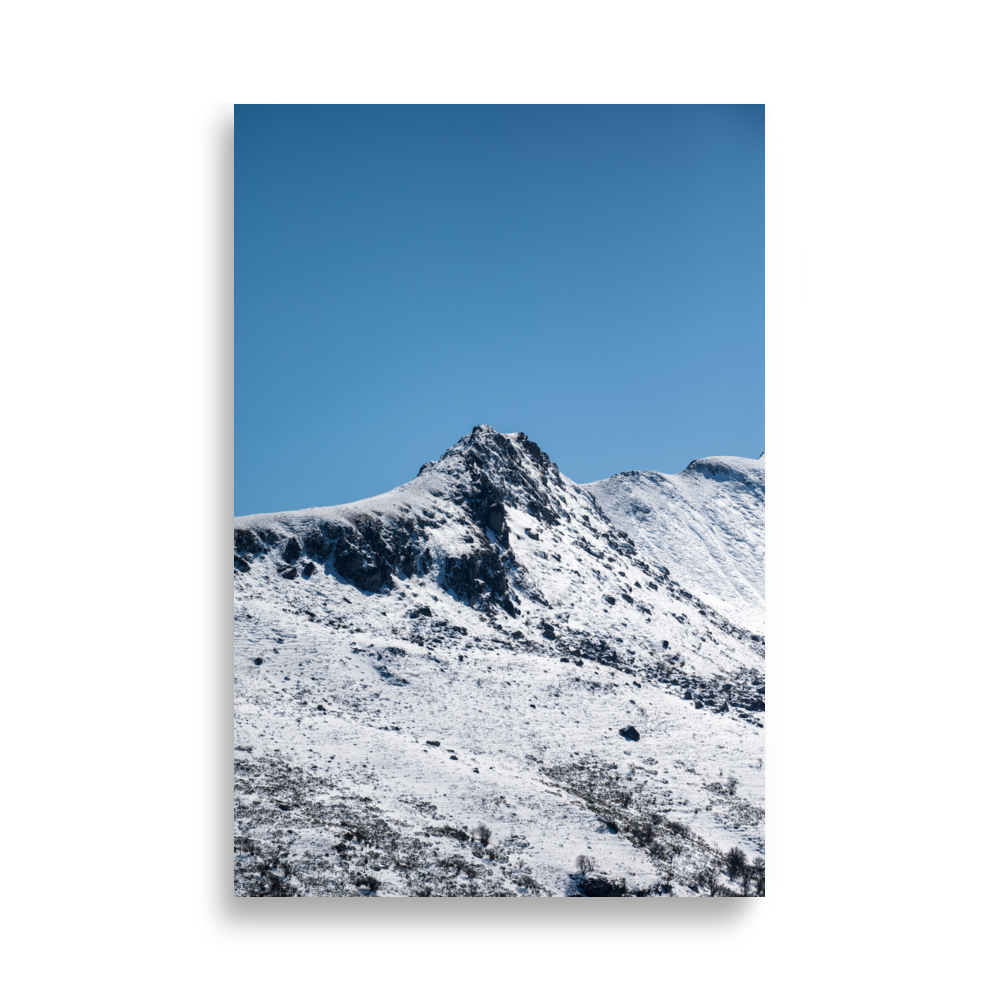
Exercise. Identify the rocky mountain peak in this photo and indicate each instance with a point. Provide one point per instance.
(494, 525)
(486, 470)
(450, 524)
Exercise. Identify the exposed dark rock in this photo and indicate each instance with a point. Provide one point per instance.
(362, 556)
(609, 599)
(495, 518)
(308, 569)
(477, 577)
(366, 552)
(630, 733)
(596, 649)
(433, 743)
(318, 546)
(599, 885)
(423, 610)
(244, 540)
(240, 563)
(288, 572)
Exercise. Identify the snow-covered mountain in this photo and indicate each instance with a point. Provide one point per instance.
(706, 523)
(489, 646)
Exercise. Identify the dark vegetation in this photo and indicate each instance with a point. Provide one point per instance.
(344, 845)
(630, 807)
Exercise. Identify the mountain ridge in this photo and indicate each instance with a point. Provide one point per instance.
(705, 522)
(489, 564)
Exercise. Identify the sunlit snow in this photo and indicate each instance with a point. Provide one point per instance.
(465, 650)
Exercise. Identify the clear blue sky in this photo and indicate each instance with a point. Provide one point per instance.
(590, 275)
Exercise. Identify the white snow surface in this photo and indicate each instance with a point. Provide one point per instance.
(491, 607)
(705, 524)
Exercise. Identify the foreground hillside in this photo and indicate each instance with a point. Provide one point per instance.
(464, 685)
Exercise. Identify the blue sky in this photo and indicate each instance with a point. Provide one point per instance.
(590, 275)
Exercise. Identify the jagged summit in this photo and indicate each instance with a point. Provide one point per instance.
(452, 523)
(492, 447)
(486, 471)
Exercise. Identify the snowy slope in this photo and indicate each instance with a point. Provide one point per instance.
(465, 649)
(706, 524)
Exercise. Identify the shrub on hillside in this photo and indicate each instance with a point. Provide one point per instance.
(735, 861)
(598, 885)
(645, 833)
(708, 879)
(267, 872)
